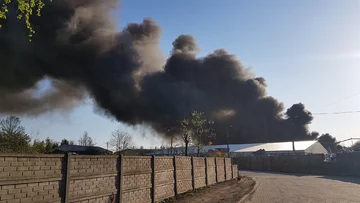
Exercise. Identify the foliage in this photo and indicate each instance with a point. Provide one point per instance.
(120, 140)
(44, 147)
(196, 129)
(38, 147)
(64, 142)
(50, 145)
(186, 133)
(86, 140)
(13, 138)
(25, 10)
(218, 154)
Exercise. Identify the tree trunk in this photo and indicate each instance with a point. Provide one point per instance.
(186, 148)
(198, 151)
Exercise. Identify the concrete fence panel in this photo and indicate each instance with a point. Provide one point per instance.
(235, 172)
(210, 170)
(220, 169)
(92, 177)
(164, 178)
(31, 178)
(183, 174)
(106, 179)
(199, 172)
(228, 169)
(137, 179)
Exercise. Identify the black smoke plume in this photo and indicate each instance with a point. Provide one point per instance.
(77, 48)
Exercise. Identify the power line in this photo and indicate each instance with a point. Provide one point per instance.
(334, 113)
(340, 100)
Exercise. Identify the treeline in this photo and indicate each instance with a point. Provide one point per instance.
(14, 139)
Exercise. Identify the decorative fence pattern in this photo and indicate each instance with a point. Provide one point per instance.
(109, 179)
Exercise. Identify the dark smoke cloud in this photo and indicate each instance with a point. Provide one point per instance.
(126, 74)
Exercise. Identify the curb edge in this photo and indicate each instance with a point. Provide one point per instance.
(246, 197)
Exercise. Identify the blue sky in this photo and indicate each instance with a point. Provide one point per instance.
(308, 51)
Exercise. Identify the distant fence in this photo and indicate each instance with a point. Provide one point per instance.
(346, 164)
(109, 179)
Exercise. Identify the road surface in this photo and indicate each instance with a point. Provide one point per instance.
(290, 188)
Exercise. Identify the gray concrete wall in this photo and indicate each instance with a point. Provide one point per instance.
(346, 164)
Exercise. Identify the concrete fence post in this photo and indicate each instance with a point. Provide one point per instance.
(206, 172)
(225, 174)
(67, 176)
(121, 176)
(232, 170)
(153, 179)
(216, 172)
(175, 179)
(310, 171)
(192, 172)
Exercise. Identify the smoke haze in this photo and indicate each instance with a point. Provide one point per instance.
(126, 74)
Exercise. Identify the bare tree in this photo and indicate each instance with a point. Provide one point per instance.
(86, 140)
(120, 140)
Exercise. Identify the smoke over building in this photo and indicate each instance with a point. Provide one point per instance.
(77, 47)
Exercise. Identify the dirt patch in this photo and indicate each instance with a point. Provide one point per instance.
(226, 192)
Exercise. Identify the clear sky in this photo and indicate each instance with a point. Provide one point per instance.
(308, 51)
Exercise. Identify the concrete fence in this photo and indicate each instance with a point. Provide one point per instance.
(345, 164)
(109, 179)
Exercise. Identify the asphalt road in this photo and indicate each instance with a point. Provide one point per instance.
(290, 188)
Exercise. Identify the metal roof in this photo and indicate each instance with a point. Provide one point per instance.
(306, 146)
(79, 148)
(279, 146)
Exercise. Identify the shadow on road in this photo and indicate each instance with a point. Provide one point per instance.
(348, 179)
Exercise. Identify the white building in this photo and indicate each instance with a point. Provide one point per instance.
(305, 147)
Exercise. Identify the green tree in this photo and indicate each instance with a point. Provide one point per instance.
(25, 9)
(197, 129)
(50, 145)
(13, 138)
(38, 146)
(64, 142)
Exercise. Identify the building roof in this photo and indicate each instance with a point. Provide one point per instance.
(79, 148)
(305, 146)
